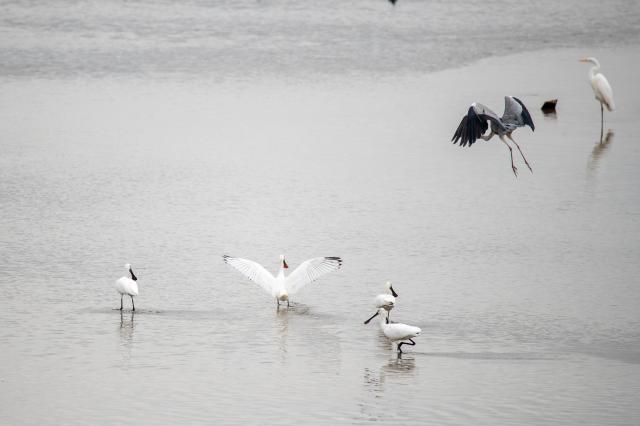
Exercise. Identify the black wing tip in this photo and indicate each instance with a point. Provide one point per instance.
(335, 259)
(528, 121)
(226, 257)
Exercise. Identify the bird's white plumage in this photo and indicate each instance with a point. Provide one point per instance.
(600, 85)
(281, 285)
(396, 331)
(385, 300)
(254, 271)
(602, 91)
(311, 270)
(126, 285)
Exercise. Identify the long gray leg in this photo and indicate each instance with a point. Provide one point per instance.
(278, 304)
(518, 146)
(121, 296)
(513, 167)
(601, 121)
(133, 304)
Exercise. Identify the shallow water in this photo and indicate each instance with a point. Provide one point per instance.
(287, 39)
(526, 289)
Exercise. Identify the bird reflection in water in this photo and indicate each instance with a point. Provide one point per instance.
(126, 328)
(283, 327)
(395, 367)
(599, 150)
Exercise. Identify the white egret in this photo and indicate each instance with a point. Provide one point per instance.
(128, 286)
(386, 301)
(282, 286)
(601, 89)
(473, 125)
(397, 332)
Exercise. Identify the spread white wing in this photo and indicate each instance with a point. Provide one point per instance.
(310, 271)
(254, 271)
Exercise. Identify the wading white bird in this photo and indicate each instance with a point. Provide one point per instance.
(128, 286)
(282, 286)
(473, 125)
(601, 89)
(386, 301)
(396, 332)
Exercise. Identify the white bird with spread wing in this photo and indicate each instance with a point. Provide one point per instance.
(282, 286)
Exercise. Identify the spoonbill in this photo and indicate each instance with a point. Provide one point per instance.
(476, 122)
(282, 286)
(385, 301)
(128, 286)
(601, 89)
(397, 332)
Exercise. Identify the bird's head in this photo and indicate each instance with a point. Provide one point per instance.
(389, 287)
(284, 262)
(283, 296)
(590, 60)
(127, 266)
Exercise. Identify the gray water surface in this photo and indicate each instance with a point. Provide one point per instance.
(288, 39)
(117, 149)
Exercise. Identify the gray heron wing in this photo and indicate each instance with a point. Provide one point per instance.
(475, 124)
(516, 113)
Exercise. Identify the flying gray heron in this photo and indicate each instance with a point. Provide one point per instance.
(601, 89)
(479, 118)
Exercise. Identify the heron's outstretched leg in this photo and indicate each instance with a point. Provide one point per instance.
(133, 304)
(513, 167)
(121, 296)
(518, 146)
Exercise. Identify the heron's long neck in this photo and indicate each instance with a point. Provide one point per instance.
(594, 70)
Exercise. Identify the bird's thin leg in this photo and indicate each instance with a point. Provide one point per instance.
(513, 167)
(133, 304)
(288, 303)
(400, 346)
(121, 296)
(412, 342)
(523, 157)
(601, 121)
(372, 317)
(277, 304)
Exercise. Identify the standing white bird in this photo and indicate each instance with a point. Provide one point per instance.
(128, 286)
(396, 332)
(601, 89)
(386, 301)
(282, 286)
